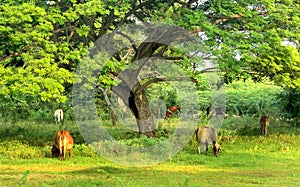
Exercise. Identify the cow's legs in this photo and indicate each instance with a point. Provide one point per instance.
(64, 154)
(265, 131)
(199, 148)
(70, 153)
(60, 153)
(206, 146)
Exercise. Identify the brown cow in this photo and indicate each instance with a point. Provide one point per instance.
(264, 123)
(64, 142)
(206, 135)
(172, 110)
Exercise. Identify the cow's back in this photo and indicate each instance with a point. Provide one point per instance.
(64, 138)
(64, 142)
(172, 110)
(58, 115)
(206, 134)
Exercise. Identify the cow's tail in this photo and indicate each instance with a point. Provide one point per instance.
(196, 132)
(60, 146)
(65, 145)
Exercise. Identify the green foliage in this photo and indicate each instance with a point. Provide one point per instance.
(255, 99)
(84, 150)
(15, 149)
(204, 98)
(257, 37)
(291, 103)
(250, 126)
(142, 141)
(277, 143)
(163, 92)
(29, 70)
(147, 148)
(238, 122)
(248, 38)
(42, 43)
(226, 135)
(18, 150)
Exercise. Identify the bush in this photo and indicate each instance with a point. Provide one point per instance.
(143, 141)
(226, 135)
(253, 99)
(18, 150)
(84, 150)
(291, 103)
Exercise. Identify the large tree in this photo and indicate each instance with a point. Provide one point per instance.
(248, 38)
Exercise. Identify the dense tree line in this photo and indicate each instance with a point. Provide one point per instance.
(42, 43)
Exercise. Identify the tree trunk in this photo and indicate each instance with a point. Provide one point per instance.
(112, 110)
(113, 117)
(139, 106)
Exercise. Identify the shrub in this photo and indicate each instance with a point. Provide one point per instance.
(18, 150)
(143, 141)
(226, 134)
(253, 99)
(84, 150)
(291, 103)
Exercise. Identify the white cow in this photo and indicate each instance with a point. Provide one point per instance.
(206, 135)
(58, 115)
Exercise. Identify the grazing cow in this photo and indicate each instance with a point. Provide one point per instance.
(172, 110)
(264, 123)
(54, 152)
(214, 111)
(206, 135)
(58, 115)
(64, 142)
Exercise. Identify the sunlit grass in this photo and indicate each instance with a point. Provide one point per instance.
(244, 161)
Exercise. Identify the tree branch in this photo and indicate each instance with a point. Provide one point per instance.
(151, 81)
(63, 29)
(220, 19)
(186, 4)
(133, 11)
(15, 54)
(160, 79)
(169, 57)
(106, 23)
(210, 70)
(128, 38)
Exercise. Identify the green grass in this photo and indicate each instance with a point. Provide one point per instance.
(244, 161)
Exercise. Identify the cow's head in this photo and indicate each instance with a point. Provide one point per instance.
(216, 148)
(168, 115)
(55, 152)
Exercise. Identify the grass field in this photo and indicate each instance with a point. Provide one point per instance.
(244, 161)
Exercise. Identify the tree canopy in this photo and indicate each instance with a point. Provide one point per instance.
(42, 42)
